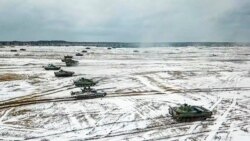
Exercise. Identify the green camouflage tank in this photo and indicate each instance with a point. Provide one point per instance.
(82, 82)
(63, 73)
(66, 58)
(186, 113)
(71, 62)
(79, 54)
(51, 67)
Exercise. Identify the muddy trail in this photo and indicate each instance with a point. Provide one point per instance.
(36, 100)
(40, 94)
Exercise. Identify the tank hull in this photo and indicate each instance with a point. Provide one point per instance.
(84, 83)
(52, 68)
(62, 74)
(89, 95)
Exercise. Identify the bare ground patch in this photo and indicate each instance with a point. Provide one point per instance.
(14, 76)
(11, 77)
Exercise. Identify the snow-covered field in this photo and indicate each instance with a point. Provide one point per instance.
(140, 85)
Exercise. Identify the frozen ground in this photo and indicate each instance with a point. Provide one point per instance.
(140, 86)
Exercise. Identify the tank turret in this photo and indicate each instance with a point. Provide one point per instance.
(88, 93)
(66, 58)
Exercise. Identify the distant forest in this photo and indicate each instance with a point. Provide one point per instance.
(121, 44)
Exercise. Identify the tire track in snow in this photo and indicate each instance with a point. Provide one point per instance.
(5, 113)
(219, 122)
(43, 93)
(216, 103)
(147, 83)
(30, 101)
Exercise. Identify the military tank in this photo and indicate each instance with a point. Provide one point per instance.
(87, 93)
(51, 67)
(82, 82)
(66, 58)
(71, 62)
(187, 113)
(63, 73)
(79, 54)
(13, 50)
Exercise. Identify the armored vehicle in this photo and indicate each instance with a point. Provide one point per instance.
(63, 73)
(66, 58)
(71, 62)
(84, 51)
(22, 49)
(82, 82)
(186, 113)
(87, 94)
(13, 50)
(79, 54)
(51, 67)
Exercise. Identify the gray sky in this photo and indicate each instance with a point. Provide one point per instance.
(125, 20)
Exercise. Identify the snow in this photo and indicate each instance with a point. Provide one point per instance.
(140, 88)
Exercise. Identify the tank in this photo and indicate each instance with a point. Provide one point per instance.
(79, 54)
(66, 58)
(186, 113)
(63, 73)
(71, 62)
(82, 82)
(51, 67)
(87, 94)
(13, 50)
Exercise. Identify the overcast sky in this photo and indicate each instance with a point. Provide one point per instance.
(125, 20)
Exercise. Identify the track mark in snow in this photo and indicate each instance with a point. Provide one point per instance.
(90, 120)
(4, 115)
(146, 82)
(193, 127)
(40, 94)
(220, 121)
(213, 106)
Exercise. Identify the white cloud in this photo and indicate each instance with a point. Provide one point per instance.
(116, 20)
